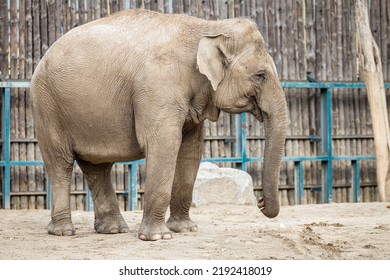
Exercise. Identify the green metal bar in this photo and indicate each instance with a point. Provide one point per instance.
(243, 140)
(139, 161)
(15, 84)
(329, 144)
(326, 85)
(170, 6)
(133, 185)
(324, 122)
(260, 159)
(305, 85)
(89, 200)
(6, 135)
(298, 182)
(238, 139)
(304, 158)
(26, 163)
(326, 144)
(128, 191)
(355, 188)
(324, 181)
(351, 158)
(49, 201)
(225, 160)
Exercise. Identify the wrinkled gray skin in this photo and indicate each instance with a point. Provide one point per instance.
(140, 84)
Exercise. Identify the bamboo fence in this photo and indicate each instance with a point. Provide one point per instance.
(316, 38)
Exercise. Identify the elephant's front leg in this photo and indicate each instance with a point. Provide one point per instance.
(186, 170)
(161, 155)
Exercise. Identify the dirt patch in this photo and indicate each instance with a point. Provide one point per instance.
(327, 231)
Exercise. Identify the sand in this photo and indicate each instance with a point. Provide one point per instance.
(233, 232)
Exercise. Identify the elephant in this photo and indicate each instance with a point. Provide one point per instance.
(139, 84)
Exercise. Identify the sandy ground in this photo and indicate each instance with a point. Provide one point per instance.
(329, 231)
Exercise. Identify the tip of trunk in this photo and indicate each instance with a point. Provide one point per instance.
(270, 211)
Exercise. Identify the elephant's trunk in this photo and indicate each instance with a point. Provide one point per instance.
(275, 125)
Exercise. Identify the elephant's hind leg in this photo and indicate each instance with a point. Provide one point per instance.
(60, 170)
(108, 218)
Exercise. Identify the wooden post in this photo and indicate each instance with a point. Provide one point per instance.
(371, 68)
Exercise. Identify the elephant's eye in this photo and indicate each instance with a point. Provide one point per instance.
(258, 78)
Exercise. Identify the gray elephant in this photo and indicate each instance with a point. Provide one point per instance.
(139, 84)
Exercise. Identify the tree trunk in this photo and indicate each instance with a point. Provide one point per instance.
(371, 68)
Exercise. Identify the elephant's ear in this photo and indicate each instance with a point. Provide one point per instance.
(211, 58)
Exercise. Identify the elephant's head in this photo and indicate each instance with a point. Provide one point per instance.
(244, 79)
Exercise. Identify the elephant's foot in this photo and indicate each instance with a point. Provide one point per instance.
(111, 224)
(153, 232)
(61, 228)
(181, 226)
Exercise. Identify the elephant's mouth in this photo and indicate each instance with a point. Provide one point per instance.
(244, 106)
(256, 111)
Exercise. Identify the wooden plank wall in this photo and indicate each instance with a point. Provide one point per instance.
(316, 38)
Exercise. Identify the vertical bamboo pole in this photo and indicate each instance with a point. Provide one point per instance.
(81, 12)
(59, 18)
(285, 29)
(65, 16)
(4, 40)
(384, 33)
(22, 67)
(34, 40)
(23, 18)
(160, 6)
(51, 22)
(103, 8)
(342, 69)
(44, 27)
(90, 10)
(73, 13)
(96, 9)
(387, 32)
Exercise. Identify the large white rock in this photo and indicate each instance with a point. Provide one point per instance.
(223, 186)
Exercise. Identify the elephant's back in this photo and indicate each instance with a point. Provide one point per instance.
(84, 60)
(128, 38)
(134, 27)
(109, 56)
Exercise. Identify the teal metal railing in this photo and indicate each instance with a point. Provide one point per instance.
(242, 159)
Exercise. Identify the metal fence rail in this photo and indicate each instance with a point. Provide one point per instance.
(242, 159)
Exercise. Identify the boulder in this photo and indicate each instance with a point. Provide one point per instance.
(223, 186)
